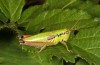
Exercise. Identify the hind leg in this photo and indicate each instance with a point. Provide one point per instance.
(65, 44)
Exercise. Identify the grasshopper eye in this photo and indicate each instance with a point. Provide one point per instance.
(20, 36)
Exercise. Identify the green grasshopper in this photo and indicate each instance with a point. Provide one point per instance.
(42, 40)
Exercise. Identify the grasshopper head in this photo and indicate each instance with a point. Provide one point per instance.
(21, 39)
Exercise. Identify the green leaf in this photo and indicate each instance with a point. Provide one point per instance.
(25, 55)
(50, 18)
(95, 1)
(50, 51)
(81, 62)
(41, 17)
(3, 18)
(11, 52)
(12, 8)
(91, 8)
(88, 6)
(94, 10)
(56, 61)
(57, 4)
(29, 14)
(87, 44)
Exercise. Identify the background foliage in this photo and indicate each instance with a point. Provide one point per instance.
(36, 16)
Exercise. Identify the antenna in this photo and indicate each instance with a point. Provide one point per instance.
(74, 25)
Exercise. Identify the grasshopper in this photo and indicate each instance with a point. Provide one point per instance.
(42, 40)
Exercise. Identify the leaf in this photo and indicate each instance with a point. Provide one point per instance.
(50, 51)
(95, 1)
(81, 62)
(57, 4)
(3, 18)
(29, 14)
(12, 54)
(55, 61)
(89, 6)
(32, 12)
(87, 44)
(43, 16)
(95, 10)
(12, 8)
(56, 17)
